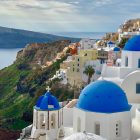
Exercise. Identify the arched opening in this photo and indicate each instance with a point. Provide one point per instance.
(126, 61)
(53, 121)
(42, 121)
(139, 63)
(78, 124)
(97, 128)
(36, 123)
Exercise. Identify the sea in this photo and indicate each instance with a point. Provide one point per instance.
(8, 56)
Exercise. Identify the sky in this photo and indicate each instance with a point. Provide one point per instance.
(67, 15)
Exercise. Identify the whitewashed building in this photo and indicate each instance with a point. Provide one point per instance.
(111, 44)
(102, 111)
(108, 108)
(87, 43)
(127, 76)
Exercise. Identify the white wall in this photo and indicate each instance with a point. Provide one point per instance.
(87, 43)
(77, 113)
(107, 123)
(133, 57)
(129, 86)
(124, 71)
(109, 71)
(68, 117)
(136, 126)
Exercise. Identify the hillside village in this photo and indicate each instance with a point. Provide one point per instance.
(107, 76)
(129, 28)
(95, 53)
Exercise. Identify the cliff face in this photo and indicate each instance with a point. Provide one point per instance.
(131, 25)
(23, 82)
(42, 52)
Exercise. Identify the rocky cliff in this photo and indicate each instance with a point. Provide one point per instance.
(42, 52)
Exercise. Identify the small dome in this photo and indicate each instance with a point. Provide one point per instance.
(110, 43)
(133, 44)
(103, 97)
(116, 49)
(47, 102)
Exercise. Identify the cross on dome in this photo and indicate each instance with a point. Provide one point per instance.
(48, 89)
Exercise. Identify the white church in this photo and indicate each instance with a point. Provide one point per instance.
(127, 75)
(108, 109)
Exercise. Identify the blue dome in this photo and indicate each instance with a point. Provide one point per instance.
(110, 43)
(103, 97)
(133, 44)
(116, 49)
(47, 102)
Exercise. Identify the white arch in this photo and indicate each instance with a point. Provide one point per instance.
(53, 121)
(42, 121)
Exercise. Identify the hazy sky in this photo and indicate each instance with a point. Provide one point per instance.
(67, 15)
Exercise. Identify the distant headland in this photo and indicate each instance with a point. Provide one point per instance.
(16, 38)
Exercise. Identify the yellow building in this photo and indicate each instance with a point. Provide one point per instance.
(76, 68)
(91, 54)
(65, 64)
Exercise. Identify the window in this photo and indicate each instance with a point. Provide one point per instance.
(77, 64)
(118, 129)
(78, 125)
(73, 69)
(138, 88)
(126, 61)
(78, 59)
(138, 63)
(98, 72)
(97, 128)
(102, 61)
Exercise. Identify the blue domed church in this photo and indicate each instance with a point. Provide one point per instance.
(47, 118)
(103, 109)
(127, 76)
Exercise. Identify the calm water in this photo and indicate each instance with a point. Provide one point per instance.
(7, 57)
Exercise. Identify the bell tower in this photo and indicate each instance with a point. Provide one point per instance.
(47, 118)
